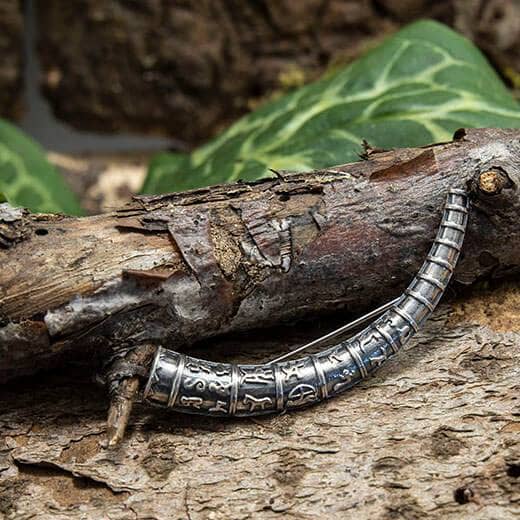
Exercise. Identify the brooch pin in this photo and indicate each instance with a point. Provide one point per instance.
(191, 385)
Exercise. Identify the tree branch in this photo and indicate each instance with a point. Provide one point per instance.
(178, 268)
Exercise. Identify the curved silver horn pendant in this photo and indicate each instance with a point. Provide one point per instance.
(192, 385)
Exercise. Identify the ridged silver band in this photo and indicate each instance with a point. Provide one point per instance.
(174, 392)
(421, 299)
(407, 318)
(321, 377)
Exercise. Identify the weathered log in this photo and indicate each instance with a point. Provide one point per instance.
(178, 268)
(433, 435)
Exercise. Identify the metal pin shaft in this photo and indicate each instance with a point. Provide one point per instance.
(345, 328)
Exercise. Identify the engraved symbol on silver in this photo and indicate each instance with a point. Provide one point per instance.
(368, 343)
(197, 368)
(338, 356)
(257, 403)
(259, 375)
(346, 376)
(301, 395)
(193, 402)
(220, 406)
(293, 370)
(376, 361)
(193, 382)
(220, 387)
(396, 323)
(222, 371)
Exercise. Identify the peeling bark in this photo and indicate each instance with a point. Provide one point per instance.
(179, 268)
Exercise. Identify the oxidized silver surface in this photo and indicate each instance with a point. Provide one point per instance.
(192, 385)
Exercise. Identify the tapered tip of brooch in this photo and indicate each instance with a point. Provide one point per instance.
(123, 378)
(120, 409)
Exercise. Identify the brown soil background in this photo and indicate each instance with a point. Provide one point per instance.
(187, 69)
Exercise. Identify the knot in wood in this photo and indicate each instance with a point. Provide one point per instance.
(491, 182)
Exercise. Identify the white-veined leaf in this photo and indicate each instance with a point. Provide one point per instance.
(416, 88)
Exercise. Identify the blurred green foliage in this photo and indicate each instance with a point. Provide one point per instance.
(416, 88)
(28, 179)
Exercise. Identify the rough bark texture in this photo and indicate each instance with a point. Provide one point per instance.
(179, 268)
(11, 58)
(435, 435)
(189, 68)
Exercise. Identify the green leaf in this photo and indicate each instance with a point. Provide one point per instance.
(26, 177)
(163, 163)
(3, 198)
(417, 88)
